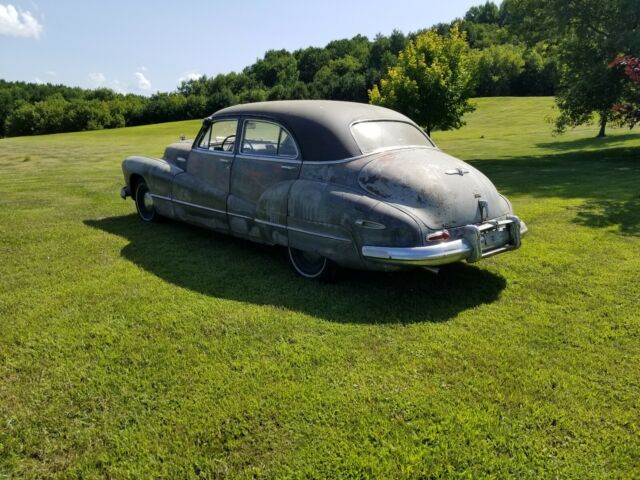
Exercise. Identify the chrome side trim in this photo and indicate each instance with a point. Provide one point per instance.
(263, 222)
(364, 155)
(270, 224)
(215, 152)
(301, 230)
(201, 207)
(188, 204)
(323, 235)
(268, 158)
(161, 197)
(335, 162)
(239, 215)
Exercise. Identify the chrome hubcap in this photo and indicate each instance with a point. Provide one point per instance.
(307, 264)
(147, 200)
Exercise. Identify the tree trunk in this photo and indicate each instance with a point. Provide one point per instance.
(603, 124)
(429, 131)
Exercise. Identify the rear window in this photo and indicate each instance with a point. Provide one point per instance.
(375, 135)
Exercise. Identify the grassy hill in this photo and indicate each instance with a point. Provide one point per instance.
(135, 351)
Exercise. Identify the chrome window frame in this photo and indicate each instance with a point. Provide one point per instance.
(209, 125)
(271, 158)
(364, 155)
(379, 120)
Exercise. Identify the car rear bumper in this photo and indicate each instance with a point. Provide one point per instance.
(472, 243)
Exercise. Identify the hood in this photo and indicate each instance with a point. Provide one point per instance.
(178, 150)
(438, 189)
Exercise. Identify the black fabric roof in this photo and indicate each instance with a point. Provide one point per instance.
(321, 127)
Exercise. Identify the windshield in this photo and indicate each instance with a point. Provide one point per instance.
(378, 134)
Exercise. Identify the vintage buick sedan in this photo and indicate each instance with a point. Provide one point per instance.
(336, 183)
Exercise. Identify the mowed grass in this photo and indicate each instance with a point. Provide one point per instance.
(165, 351)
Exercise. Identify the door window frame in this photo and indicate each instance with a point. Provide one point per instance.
(272, 158)
(206, 128)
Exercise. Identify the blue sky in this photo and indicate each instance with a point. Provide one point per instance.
(144, 47)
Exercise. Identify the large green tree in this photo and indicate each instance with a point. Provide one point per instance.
(341, 79)
(277, 67)
(593, 33)
(498, 69)
(432, 81)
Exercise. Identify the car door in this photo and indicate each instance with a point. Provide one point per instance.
(200, 193)
(267, 162)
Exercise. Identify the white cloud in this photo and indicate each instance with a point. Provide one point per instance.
(139, 84)
(190, 76)
(97, 79)
(142, 82)
(14, 23)
(117, 86)
(38, 80)
(51, 73)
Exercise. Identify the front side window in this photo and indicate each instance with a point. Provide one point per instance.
(375, 135)
(267, 139)
(220, 136)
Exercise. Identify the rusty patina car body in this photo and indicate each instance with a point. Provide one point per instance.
(336, 183)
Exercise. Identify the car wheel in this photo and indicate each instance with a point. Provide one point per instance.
(144, 203)
(312, 265)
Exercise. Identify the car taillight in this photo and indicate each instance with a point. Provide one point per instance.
(438, 236)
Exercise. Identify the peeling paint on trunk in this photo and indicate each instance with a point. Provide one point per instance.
(420, 182)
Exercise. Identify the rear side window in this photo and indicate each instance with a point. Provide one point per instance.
(375, 135)
(220, 136)
(267, 139)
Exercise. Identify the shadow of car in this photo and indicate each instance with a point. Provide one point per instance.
(223, 267)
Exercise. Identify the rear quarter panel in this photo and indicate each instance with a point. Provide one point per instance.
(322, 218)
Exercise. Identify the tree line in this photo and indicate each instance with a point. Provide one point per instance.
(522, 47)
(506, 63)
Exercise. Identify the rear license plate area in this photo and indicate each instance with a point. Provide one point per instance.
(494, 238)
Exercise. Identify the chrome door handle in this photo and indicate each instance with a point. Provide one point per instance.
(288, 167)
(224, 160)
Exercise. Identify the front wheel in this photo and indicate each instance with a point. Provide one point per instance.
(144, 203)
(312, 265)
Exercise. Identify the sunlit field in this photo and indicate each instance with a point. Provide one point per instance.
(130, 350)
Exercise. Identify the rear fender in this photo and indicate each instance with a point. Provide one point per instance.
(335, 221)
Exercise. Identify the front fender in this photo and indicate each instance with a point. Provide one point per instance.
(156, 172)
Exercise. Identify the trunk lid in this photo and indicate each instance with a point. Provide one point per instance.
(438, 189)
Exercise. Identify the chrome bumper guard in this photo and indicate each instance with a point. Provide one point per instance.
(125, 192)
(472, 243)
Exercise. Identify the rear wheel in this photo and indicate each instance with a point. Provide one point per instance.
(312, 265)
(144, 203)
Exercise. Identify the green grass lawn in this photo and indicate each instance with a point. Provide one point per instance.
(165, 351)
